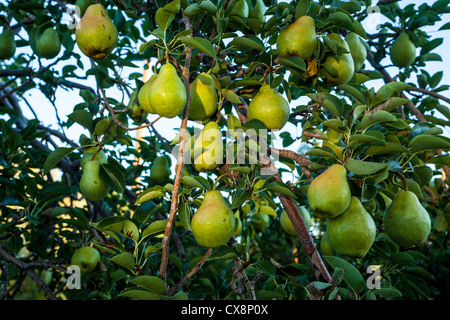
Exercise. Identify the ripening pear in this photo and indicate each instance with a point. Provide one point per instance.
(7, 44)
(208, 148)
(89, 152)
(403, 51)
(167, 94)
(287, 225)
(240, 8)
(204, 102)
(258, 11)
(329, 193)
(96, 34)
(143, 95)
(325, 246)
(406, 221)
(298, 39)
(91, 185)
(357, 49)
(213, 223)
(269, 107)
(341, 64)
(160, 170)
(353, 232)
(48, 45)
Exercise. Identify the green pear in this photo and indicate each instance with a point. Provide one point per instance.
(91, 185)
(89, 152)
(287, 225)
(298, 39)
(167, 94)
(357, 49)
(403, 51)
(137, 113)
(269, 107)
(325, 246)
(353, 232)
(160, 170)
(96, 34)
(341, 64)
(208, 148)
(260, 221)
(258, 11)
(143, 95)
(213, 223)
(204, 102)
(48, 45)
(7, 45)
(86, 258)
(406, 221)
(329, 193)
(83, 5)
(240, 8)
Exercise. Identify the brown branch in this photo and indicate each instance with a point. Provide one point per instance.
(430, 93)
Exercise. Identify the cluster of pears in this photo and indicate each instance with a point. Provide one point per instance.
(91, 185)
(207, 149)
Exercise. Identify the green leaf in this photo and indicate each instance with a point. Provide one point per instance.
(428, 142)
(352, 276)
(184, 214)
(82, 117)
(280, 187)
(387, 293)
(55, 157)
(125, 260)
(222, 253)
(371, 118)
(302, 8)
(192, 182)
(293, 62)
(180, 295)
(155, 227)
(440, 160)
(329, 101)
(388, 148)
(139, 294)
(240, 197)
(112, 176)
(359, 167)
(251, 43)
(152, 283)
(201, 44)
(150, 193)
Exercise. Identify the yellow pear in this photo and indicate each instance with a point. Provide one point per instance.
(160, 170)
(96, 34)
(357, 49)
(329, 193)
(208, 148)
(269, 107)
(91, 185)
(7, 45)
(48, 44)
(167, 94)
(298, 39)
(341, 63)
(204, 102)
(403, 51)
(287, 225)
(143, 96)
(213, 223)
(353, 232)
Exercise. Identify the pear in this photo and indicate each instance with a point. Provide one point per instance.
(240, 8)
(357, 50)
(96, 34)
(325, 246)
(269, 107)
(91, 185)
(287, 224)
(238, 226)
(7, 45)
(260, 221)
(258, 11)
(298, 39)
(203, 98)
(213, 223)
(167, 94)
(137, 113)
(208, 148)
(353, 232)
(48, 45)
(86, 258)
(341, 63)
(403, 51)
(406, 221)
(329, 193)
(83, 5)
(160, 170)
(143, 99)
(89, 152)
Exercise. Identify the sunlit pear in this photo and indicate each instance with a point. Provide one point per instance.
(48, 44)
(213, 223)
(406, 221)
(353, 232)
(86, 258)
(204, 101)
(91, 185)
(287, 225)
(96, 34)
(269, 107)
(208, 148)
(329, 193)
(325, 246)
(240, 8)
(160, 170)
(357, 49)
(143, 96)
(167, 94)
(83, 5)
(403, 51)
(339, 68)
(258, 11)
(7, 45)
(298, 39)
(100, 156)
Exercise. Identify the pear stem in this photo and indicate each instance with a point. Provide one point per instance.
(220, 177)
(405, 182)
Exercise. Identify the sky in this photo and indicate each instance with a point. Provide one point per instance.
(66, 100)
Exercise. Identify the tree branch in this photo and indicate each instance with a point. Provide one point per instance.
(430, 93)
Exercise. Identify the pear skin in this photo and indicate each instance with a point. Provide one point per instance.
(208, 148)
(325, 246)
(143, 95)
(353, 232)
(269, 107)
(213, 223)
(91, 185)
(89, 152)
(96, 35)
(287, 225)
(204, 102)
(357, 49)
(7, 45)
(329, 193)
(83, 5)
(48, 45)
(406, 221)
(298, 39)
(160, 170)
(167, 94)
(403, 51)
(342, 63)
